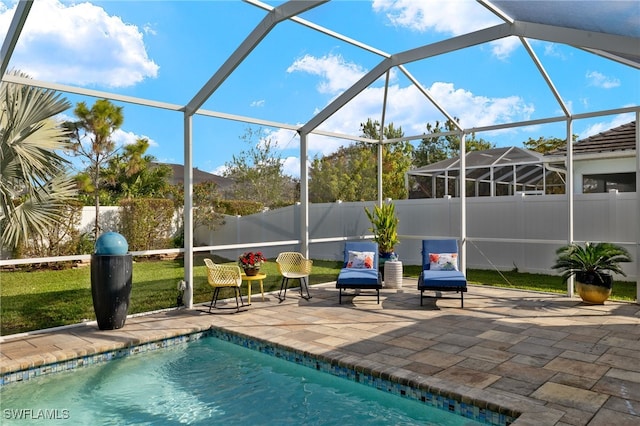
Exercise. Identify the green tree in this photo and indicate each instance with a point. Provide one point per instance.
(92, 141)
(544, 145)
(555, 181)
(34, 187)
(258, 172)
(432, 150)
(131, 174)
(396, 158)
(350, 174)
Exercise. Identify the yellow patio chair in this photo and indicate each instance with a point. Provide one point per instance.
(224, 276)
(293, 265)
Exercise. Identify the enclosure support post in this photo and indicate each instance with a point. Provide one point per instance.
(637, 259)
(304, 196)
(188, 212)
(569, 190)
(463, 203)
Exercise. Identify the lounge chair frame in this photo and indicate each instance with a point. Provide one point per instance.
(359, 279)
(439, 281)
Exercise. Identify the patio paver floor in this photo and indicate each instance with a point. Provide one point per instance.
(553, 358)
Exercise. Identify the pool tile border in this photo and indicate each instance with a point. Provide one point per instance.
(337, 365)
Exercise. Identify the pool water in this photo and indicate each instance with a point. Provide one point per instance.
(206, 382)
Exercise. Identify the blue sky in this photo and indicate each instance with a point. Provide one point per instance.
(166, 51)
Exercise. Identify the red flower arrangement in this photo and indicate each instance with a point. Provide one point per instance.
(249, 260)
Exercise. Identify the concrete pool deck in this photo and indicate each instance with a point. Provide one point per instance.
(552, 358)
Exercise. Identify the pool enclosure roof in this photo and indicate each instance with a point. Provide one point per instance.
(517, 167)
(490, 158)
(608, 29)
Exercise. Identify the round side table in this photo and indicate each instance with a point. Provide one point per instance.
(249, 279)
(393, 274)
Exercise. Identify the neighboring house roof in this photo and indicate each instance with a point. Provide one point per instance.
(621, 138)
(488, 158)
(199, 176)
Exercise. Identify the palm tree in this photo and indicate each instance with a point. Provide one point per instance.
(34, 185)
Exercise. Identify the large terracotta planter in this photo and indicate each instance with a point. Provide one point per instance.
(592, 293)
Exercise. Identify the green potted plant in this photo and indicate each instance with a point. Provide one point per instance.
(384, 225)
(592, 265)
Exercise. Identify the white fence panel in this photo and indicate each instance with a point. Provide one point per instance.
(519, 232)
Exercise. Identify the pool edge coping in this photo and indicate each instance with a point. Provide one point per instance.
(525, 410)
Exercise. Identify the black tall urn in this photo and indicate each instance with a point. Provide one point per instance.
(111, 277)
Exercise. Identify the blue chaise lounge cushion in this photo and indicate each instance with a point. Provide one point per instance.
(440, 280)
(367, 278)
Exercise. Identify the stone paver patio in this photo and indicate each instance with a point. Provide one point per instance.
(552, 358)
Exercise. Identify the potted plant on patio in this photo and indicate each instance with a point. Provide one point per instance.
(384, 225)
(250, 262)
(592, 265)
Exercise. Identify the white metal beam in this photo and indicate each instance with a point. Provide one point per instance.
(445, 46)
(569, 191)
(304, 195)
(637, 259)
(15, 28)
(188, 210)
(546, 77)
(90, 92)
(622, 45)
(613, 57)
(275, 16)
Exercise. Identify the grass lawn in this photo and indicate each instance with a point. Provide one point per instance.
(47, 298)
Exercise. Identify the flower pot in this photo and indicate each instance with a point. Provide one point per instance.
(594, 293)
(250, 272)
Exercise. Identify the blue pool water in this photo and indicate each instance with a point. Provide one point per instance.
(206, 382)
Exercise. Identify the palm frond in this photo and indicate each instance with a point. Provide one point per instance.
(34, 185)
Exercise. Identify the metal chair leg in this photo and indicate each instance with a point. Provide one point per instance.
(283, 285)
(214, 298)
(304, 283)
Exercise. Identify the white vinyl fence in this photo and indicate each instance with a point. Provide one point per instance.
(513, 232)
(518, 232)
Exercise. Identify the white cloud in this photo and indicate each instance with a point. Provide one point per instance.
(258, 104)
(220, 170)
(336, 74)
(148, 29)
(435, 15)
(105, 50)
(121, 138)
(597, 79)
(291, 166)
(551, 50)
(596, 128)
(406, 106)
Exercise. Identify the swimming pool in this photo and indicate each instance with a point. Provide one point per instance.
(205, 382)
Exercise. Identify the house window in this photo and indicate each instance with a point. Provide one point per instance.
(623, 182)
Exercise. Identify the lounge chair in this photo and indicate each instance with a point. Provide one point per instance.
(440, 269)
(224, 276)
(293, 265)
(360, 269)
